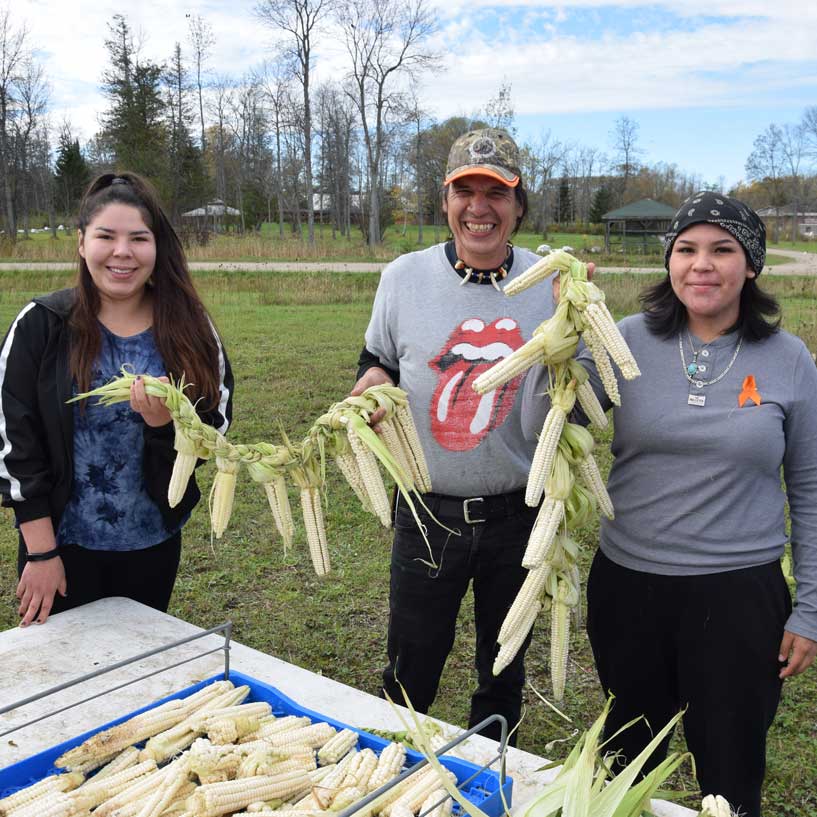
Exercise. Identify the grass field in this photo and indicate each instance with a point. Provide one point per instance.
(293, 341)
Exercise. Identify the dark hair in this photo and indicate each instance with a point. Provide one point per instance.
(520, 194)
(182, 329)
(665, 315)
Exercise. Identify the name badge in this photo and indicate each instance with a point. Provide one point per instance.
(696, 400)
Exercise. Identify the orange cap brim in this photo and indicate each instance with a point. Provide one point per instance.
(482, 170)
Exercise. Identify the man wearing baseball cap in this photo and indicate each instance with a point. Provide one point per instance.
(439, 320)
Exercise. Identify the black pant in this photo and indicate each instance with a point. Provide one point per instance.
(709, 643)
(424, 603)
(146, 575)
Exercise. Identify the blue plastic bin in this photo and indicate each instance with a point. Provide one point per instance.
(483, 790)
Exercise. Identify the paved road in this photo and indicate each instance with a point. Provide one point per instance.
(802, 263)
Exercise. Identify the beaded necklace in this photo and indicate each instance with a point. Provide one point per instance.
(479, 276)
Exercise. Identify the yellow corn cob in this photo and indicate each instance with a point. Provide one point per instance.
(544, 455)
(514, 364)
(315, 530)
(604, 327)
(603, 366)
(589, 472)
(51, 784)
(528, 594)
(215, 799)
(590, 405)
(337, 746)
(372, 478)
(389, 763)
(510, 647)
(347, 465)
(119, 737)
(223, 491)
(713, 805)
(541, 538)
(278, 500)
(437, 804)
(404, 423)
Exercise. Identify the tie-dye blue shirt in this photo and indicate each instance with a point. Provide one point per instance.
(109, 507)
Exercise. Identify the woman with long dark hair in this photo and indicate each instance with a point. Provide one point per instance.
(88, 484)
(687, 602)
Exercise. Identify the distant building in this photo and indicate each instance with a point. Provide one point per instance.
(640, 225)
(215, 215)
(781, 217)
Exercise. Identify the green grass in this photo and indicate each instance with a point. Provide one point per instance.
(293, 340)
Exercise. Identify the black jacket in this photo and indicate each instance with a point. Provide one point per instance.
(37, 425)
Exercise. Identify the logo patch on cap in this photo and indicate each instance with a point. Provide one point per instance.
(482, 148)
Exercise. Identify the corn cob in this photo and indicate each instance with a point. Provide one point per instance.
(404, 423)
(372, 479)
(509, 367)
(312, 736)
(600, 320)
(565, 597)
(257, 709)
(561, 405)
(389, 764)
(437, 804)
(347, 465)
(323, 793)
(557, 261)
(361, 769)
(337, 746)
(127, 757)
(51, 784)
(713, 805)
(511, 645)
(215, 799)
(603, 366)
(550, 516)
(590, 405)
(591, 476)
(278, 726)
(414, 796)
(138, 790)
(223, 491)
(119, 737)
(172, 781)
(528, 594)
(397, 448)
(345, 797)
(315, 530)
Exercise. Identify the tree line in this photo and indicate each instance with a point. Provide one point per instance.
(358, 152)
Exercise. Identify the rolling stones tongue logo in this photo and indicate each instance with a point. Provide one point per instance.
(460, 418)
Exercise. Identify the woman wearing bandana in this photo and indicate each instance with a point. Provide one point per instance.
(687, 604)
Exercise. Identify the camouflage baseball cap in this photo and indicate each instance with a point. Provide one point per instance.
(486, 152)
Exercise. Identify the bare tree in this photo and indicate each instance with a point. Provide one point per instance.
(202, 41)
(544, 157)
(299, 19)
(499, 112)
(384, 38)
(625, 142)
(793, 147)
(766, 164)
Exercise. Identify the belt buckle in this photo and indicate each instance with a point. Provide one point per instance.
(466, 510)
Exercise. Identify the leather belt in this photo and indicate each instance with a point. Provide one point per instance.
(475, 509)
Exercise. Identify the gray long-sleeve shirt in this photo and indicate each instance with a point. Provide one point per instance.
(697, 489)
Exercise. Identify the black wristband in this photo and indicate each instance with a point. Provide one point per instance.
(44, 556)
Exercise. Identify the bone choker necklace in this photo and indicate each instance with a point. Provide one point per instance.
(479, 276)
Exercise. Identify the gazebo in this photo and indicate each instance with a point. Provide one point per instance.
(638, 223)
(215, 214)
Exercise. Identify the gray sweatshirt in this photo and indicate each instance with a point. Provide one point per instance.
(697, 489)
(442, 334)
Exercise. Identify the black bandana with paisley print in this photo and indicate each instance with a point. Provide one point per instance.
(727, 213)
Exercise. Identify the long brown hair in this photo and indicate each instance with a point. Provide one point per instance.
(182, 330)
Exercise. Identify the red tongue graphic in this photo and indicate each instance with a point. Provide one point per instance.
(461, 418)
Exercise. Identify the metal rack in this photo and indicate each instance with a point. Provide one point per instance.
(226, 629)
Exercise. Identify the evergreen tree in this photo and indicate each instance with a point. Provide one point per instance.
(134, 126)
(71, 173)
(565, 202)
(602, 203)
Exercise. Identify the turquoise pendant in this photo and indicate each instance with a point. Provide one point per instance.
(692, 369)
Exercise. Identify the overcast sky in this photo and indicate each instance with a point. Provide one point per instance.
(701, 77)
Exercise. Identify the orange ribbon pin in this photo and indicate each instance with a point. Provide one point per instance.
(749, 391)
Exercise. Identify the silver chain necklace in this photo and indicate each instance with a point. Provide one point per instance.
(691, 369)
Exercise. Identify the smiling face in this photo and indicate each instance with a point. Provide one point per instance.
(120, 251)
(708, 269)
(482, 214)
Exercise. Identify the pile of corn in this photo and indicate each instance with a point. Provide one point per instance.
(563, 467)
(342, 434)
(210, 754)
